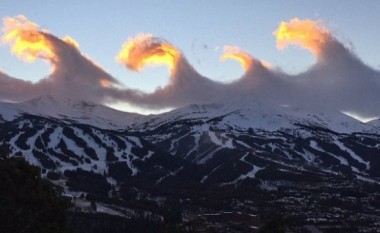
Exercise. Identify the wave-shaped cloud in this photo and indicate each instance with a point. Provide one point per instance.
(311, 35)
(73, 75)
(185, 86)
(338, 81)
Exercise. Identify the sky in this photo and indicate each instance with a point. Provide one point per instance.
(199, 29)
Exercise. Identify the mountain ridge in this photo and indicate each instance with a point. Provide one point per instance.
(242, 141)
(85, 112)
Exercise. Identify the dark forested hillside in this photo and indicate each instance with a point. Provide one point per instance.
(28, 204)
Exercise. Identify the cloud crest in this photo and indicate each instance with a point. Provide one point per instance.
(73, 74)
(308, 34)
(145, 49)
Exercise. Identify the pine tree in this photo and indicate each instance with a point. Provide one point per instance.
(27, 203)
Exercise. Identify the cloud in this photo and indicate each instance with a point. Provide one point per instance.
(12, 89)
(338, 81)
(308, 34)
(185, 86)
(234, 52)
(146, 49)
(73, 74)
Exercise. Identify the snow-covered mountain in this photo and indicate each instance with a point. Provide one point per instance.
(69, 110)
(259, 116)
(217, 144)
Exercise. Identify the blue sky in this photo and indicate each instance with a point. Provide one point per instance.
(198, 28)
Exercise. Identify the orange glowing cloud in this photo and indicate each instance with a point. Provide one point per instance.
(27, 41)
(235, 53)
(243, 57)
(311, 35)
(71, 41)
(105, 83)
(146, 49)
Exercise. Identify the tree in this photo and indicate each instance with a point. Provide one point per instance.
(172, 211)
(274, 225)
(93, 206)
(27, 203)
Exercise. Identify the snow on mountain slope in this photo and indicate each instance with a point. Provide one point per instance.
(257, 115)
(212, 144)
(8, 112)
(375, 123)
(281, 135)
(72, 155)
(236, 114)
(81, 112)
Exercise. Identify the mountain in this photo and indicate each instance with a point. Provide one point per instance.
(70, 111)
(224, 143)
(255, 140)
(236, 156)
